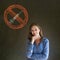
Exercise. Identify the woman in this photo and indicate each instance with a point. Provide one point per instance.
(37, 45)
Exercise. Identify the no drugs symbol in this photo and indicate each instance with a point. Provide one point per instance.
(14, 19)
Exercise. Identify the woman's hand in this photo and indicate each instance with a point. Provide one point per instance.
(33, 39)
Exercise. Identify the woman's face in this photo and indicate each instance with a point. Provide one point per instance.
(35, 30)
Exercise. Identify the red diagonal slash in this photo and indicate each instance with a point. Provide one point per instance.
(16, 16)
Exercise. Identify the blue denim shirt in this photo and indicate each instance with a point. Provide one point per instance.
(38, 52)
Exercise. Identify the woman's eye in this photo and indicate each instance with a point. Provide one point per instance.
(35, 29)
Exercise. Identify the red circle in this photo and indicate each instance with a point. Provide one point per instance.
(12, 13)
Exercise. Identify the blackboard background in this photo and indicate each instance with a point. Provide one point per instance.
(44, 12)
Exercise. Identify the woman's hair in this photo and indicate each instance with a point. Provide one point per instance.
(30, 34)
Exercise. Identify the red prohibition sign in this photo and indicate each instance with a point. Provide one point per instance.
(16, 16)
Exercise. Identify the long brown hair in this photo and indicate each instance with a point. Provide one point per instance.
(30, 34)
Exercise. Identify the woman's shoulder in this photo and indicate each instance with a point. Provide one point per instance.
(45, 39)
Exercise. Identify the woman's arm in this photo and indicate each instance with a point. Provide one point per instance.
(46, 49)
(29, 51)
